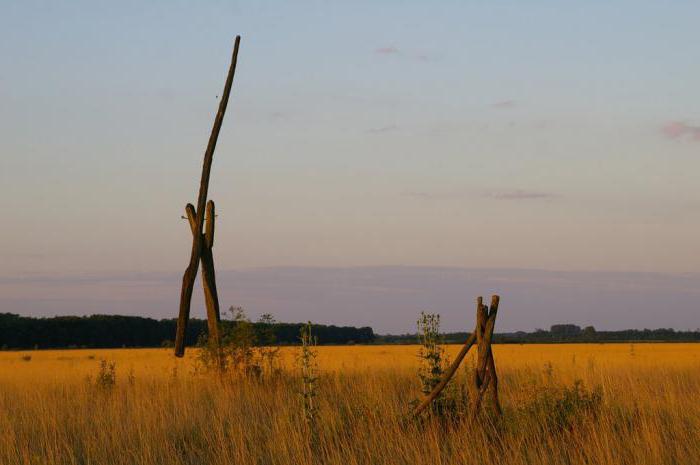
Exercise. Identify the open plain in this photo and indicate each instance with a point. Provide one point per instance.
(563, 404)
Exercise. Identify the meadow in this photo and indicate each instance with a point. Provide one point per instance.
(563, 404)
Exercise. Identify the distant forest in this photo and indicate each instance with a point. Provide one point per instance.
(565, 333)
(109, 331)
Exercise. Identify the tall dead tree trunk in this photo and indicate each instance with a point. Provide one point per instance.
(197, 236)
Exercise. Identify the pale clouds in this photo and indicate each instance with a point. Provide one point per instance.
(680, 129)
(502, 194)
(383, 129)
(503, 104)
(520, 194)
(386, 298)
(389, 50)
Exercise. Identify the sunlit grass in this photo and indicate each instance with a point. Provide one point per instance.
(52, 410)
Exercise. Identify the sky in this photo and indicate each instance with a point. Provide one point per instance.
(509, 135)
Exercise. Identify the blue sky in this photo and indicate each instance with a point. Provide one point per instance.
(529, 134)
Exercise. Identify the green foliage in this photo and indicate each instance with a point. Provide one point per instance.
(238, 344)
(431, 354)
(107, 375)
(308, 367)
(108, 331)
(267, 344)
(564, 333)
(453, 400)
(560, 408)
(247, 349)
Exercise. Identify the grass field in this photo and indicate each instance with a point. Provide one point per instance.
(635, 404)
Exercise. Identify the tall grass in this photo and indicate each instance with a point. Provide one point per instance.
(574, 404)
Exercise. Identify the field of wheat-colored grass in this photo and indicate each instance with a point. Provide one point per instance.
(160, 411)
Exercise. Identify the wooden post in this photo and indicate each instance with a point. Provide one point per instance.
(481, 317)
(197, 236)
(208, 275)
(485, 374)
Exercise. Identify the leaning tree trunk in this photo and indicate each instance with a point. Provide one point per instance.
(197, 236)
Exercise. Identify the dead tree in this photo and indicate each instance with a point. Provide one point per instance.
(211, 297)
(485, 376)
(202, 243)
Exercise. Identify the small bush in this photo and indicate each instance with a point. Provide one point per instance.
(26, 358)
(243, 351)
(107, 375)
(431, 354)
(267, 348)
(559, 408)
(453, 400)
(308, 366)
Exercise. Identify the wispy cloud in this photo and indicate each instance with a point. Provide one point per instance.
(383, 129)
(513, 194)
(680, 129)
(519, 194)
(422, 195)
(505, 104)
(390, 50)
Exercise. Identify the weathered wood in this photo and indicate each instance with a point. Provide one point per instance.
(197, 237)
(495, 300)
(208, 274)
(490, 384)
(494, 384)
(488, 317)
(485, 375)
(191, 217)
(481, 317)
(209, 229)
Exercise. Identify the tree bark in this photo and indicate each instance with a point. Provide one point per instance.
(211, 296)
(197, 237)
(485, 375)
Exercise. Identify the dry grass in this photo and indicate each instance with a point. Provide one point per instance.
(160, 412)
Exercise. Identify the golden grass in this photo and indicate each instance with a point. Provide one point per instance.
(50, 414)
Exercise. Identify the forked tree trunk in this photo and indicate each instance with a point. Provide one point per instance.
(197, 237)
(485, 375)
(208, 274)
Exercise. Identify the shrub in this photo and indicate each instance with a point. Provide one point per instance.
(107, 375)
(559, 408)
(433, 363)
(306, 361)
(431, 354)
(267, 349)
(243, 351)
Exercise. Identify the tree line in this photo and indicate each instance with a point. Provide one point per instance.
(563, 333)
(110, 331)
